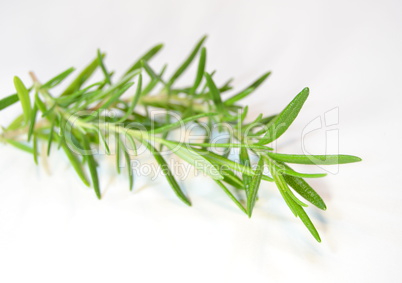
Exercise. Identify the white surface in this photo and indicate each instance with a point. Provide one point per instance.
(348, 53)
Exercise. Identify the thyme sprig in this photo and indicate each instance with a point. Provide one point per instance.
(80, 117)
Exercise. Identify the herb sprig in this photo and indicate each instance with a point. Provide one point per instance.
(79, 118)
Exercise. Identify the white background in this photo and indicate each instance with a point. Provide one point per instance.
(52, 229)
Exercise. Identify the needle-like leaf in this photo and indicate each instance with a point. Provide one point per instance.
(282, 122)
(20, 145)
(50, 139)
(57, 79)
(195, 159)
(9, 100)
(103, 67)
(222, 161)
(134, 101)
(248, 90)
(35, 149)
(92, 167)
(216, 96)
(231, 196)
(292, 201)
(307, 222)
(314, 159)
(200, 70)
(105, 144)
(168, 174)
(305, 190)
(286, 170)
(186, 63)
(82, 77)
(74, 162)
(128, 164)
(231, 178)
(118, 151)
(40, 104)
(146, 57)
(254, 186)
(116, 95)
(32, 121)
(23, 95)
(152, 84)
(299, 212)
(245, 160)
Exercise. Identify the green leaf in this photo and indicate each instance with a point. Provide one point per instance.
(299, 212)
(151, 85)
(117, 144)
(74, 161)
(20, 145)
(151, 72)
(282, 122)
(231, 178)
(35, 149)
(79, 95)
(286, 170)
(291, 200)
(57, 79)
(231, 196)
(200, 70)
(50, 139)
(92, 166)
(314, 159)
(134, 101)
(245, 160)
(9, 100)
(222, 161)
(16, 123)
(307, 222)
(103, 67)
(261, 122)
(39, 103)
(146, 57)
(82, 77)
(23, 95)
(192, 157)
(243, 116)
(102, 138)
(129, 169)
(168, 174)
(32, 121)
(186, 63)
(116, 95)
(248, 90)
(292, 196)
(49, 111)
(305, 190)
(104, 98)
(132, 143)
(216, 96)
(254, 186)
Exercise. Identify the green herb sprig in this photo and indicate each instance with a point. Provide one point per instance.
(78, 118)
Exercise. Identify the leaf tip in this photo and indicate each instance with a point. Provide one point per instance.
(158, 47)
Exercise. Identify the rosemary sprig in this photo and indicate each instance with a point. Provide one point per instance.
(79, 118)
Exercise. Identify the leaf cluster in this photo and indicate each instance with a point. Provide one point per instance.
(78, 118)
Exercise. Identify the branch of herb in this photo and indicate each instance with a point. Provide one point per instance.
(192, 103)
